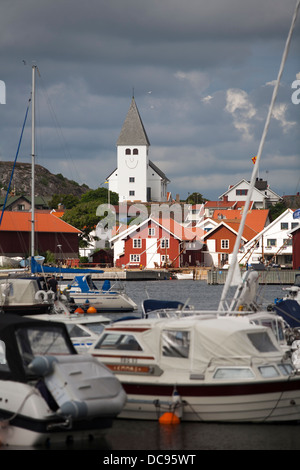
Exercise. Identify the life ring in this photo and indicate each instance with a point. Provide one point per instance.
(41, 295)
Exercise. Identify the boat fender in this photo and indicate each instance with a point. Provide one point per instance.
(50, 295)
(76, 409)
(177, 404)
(42, 365)
(41, 295)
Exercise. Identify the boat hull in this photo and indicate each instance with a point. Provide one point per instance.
(103, 302)
(261, 402)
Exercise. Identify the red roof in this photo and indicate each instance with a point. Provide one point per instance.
(255, 220)
(219, 204)
(14, 221)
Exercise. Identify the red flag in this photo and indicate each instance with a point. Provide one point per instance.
(253, 159)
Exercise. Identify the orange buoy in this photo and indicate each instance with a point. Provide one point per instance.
(91, 310)
(169, 418)
(79, 310)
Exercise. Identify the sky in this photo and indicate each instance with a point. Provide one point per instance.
(202, 73)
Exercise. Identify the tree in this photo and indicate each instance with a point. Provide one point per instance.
(276, 210)
(195, 198)
(84, 214)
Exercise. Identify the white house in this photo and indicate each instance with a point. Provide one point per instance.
(273, 243)
(136, 178)
(263, 196)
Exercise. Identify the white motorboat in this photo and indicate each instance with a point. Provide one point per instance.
(49, 393)
(24, 294)
(85, 293)
(218, 368)
(83, 328)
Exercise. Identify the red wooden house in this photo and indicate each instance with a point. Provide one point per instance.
(51, 233)
(158, 243)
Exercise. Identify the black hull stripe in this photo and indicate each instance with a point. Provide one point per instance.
(212, 390)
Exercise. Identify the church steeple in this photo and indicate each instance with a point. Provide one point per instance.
(133, 131)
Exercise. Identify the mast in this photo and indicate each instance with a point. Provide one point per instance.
(32, 160)
(233, 265)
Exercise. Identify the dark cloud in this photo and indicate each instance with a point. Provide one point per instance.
(208, 66)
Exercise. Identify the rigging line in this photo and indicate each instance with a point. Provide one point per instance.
(256, 166)
(15, 161)
(59, 129)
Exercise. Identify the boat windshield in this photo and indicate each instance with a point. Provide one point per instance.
(262, 342)
(119, 341)
(35, 341)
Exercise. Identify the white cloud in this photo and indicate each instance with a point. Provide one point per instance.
(239, 106)
(279, 113)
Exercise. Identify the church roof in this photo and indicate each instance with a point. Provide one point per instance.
(133, 131)
(158, 171)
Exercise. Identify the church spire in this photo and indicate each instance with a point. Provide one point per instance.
(133, 131)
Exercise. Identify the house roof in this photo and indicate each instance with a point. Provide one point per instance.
(281, 216)
(168, 224)
(256, 219)
(15, 221)
(231, 227)
(38, 200)
(133, 131)
(219, 204)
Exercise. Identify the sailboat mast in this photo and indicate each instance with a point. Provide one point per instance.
(32, 159)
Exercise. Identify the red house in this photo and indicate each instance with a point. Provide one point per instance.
(296, 247)
(51, 233)
(157, 243)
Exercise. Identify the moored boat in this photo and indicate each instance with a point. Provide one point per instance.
(49, 393)
(85, 293)
(221, 369)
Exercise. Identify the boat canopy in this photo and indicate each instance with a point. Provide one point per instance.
(22, 338)
(18, 290)
(204, 341)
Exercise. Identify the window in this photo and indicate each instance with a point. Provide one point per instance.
(284, 226)
(241, 192)
(294, 225)
(262, 342)
(134, 258)
(137, 243)
(268, 371)
(151, 231)
(131, 193)
(233, 373)
(119, 341)
(225, 244)
(175, 343)
(135, 152)
(3, 362)
(271, 242)
(21, 207)
(131, 179)
(128, 152)
(288, 242)
(164, 259)
(164, 243)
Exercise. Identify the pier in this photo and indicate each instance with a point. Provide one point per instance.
(272, 276)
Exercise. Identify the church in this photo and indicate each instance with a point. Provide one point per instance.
(136, 178)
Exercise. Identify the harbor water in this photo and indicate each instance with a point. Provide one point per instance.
(135, 436)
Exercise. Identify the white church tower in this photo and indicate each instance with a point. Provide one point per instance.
(136, 178)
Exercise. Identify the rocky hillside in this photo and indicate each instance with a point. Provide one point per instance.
(46, 183)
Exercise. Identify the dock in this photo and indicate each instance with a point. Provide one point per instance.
(272, 276)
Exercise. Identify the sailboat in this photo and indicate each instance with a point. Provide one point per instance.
(212, 366)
